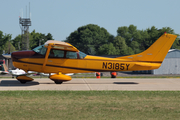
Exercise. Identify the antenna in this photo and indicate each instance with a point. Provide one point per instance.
(29, 10)
(26, 11)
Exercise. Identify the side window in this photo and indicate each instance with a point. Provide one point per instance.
(72, 55)
(56, 53)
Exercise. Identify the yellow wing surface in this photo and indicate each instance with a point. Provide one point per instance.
(60, 45)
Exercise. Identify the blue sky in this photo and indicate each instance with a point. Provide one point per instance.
(61, 17)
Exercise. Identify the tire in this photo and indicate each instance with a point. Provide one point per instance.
(58, 82)
(113, 76)
(22, 81)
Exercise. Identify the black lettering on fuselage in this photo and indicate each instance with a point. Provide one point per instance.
(109, 65)
(116, 66)
(127, 65)
(104, 65)
(122, 66)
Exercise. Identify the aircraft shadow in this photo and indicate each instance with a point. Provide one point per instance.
(125, 83)
(103, 83)
(14, 83)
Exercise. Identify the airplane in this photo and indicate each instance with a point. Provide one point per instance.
(62, 58)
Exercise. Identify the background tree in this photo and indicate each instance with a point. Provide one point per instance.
(35, 39)
(140, 40)
(17, 42)
(107, 49)
(8, 47)
(6, 43)
(89, 37)
(121, 47)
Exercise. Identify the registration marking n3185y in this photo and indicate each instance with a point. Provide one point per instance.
(116, 66)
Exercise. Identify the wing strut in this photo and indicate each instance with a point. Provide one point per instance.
(46, 57)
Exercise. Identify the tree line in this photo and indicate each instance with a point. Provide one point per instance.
(94, 40)
(9, 45)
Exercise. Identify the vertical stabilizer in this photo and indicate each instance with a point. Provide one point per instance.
(156, 52)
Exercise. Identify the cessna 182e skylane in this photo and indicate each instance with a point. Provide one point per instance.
(62, 58)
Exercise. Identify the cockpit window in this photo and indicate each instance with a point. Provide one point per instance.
(82, 55)
(40, 49)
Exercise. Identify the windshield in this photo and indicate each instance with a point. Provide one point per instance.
(82, 55)
(40, 49)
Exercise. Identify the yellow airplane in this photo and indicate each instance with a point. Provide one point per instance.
(62, 58)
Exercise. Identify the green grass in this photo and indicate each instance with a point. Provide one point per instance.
(89, 105)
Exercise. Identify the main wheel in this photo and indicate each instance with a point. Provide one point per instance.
(22, 81)
(58, 82)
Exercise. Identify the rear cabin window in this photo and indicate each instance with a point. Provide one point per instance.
(72, 55)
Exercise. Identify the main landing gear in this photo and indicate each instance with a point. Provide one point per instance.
(59, 78)
(23, 79)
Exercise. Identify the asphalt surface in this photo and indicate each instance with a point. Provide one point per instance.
(154, 84)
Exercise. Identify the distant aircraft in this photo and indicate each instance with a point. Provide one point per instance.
(62, 58)
(19, 72)
(45, 74)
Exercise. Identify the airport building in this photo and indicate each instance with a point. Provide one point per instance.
(171, 63)
(8, 62)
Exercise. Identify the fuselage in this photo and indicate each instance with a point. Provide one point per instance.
(33, 61)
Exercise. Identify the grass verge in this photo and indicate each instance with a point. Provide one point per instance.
(89, 105)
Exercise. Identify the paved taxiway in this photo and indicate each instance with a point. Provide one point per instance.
(93, 84)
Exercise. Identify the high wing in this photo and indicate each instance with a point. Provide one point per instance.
(61, 45)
